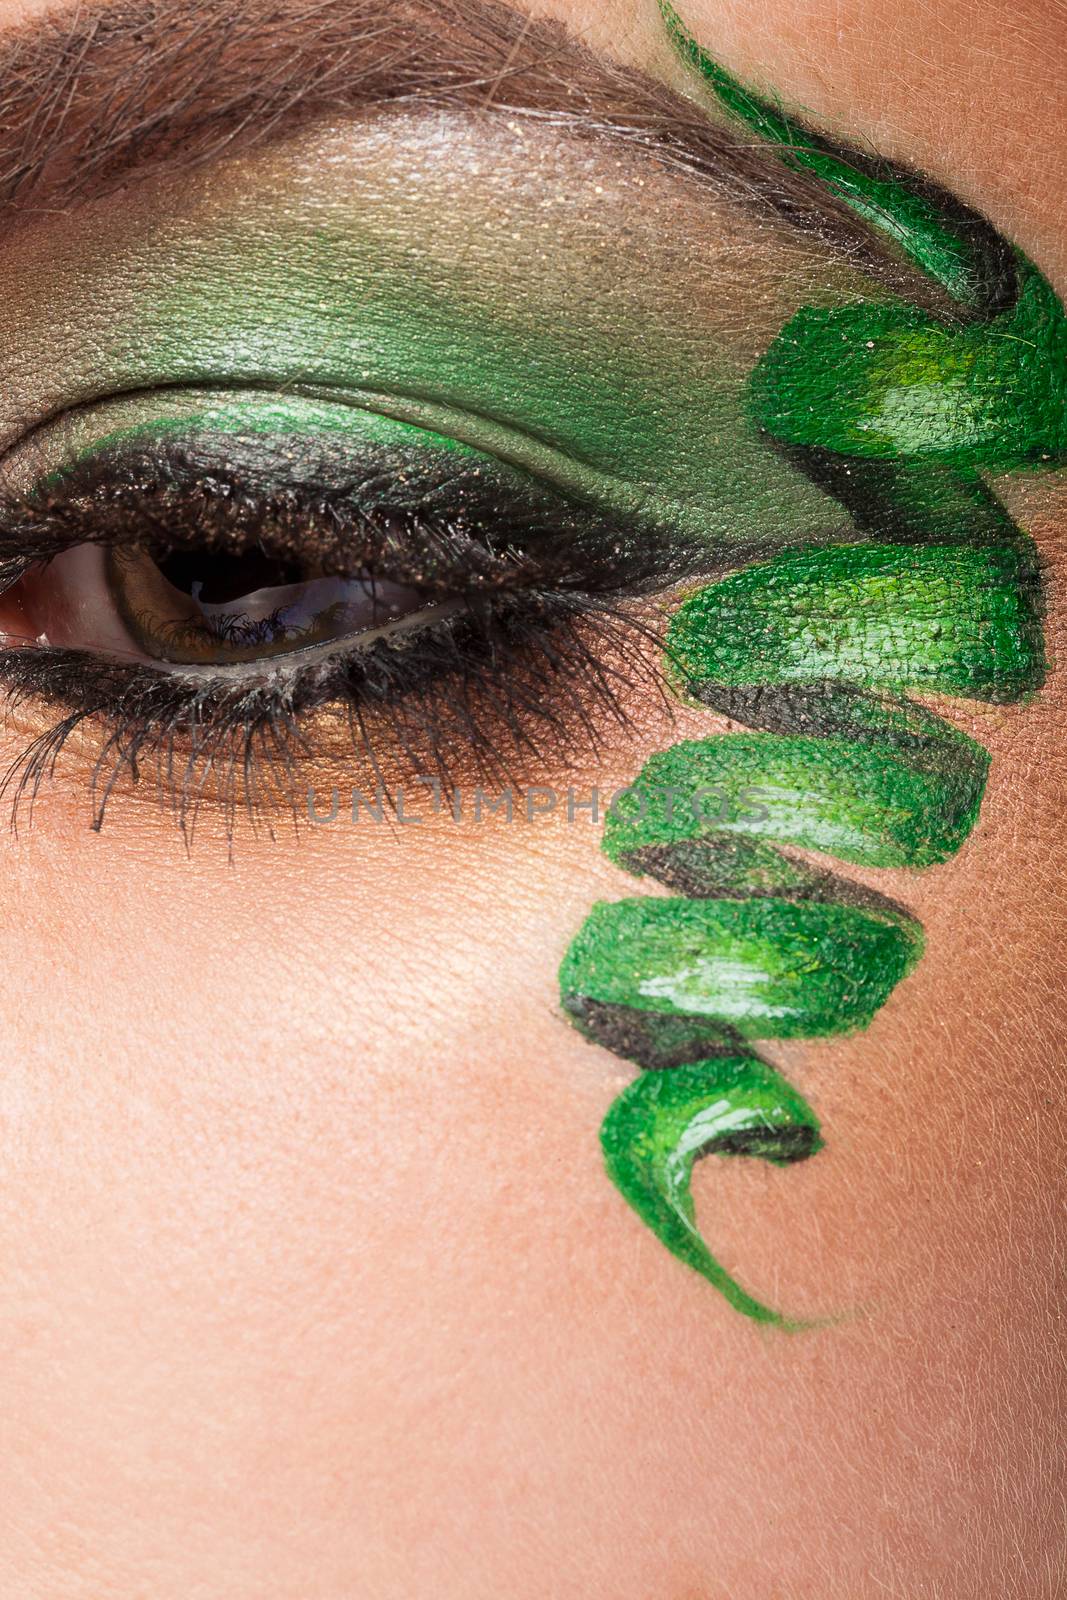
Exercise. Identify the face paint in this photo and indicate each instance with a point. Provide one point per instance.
(941, 617)
(891, 801)
(886, 381)
(893, 413)
(663, 1122)
(750, 969)
(881, 382)
(895, 203)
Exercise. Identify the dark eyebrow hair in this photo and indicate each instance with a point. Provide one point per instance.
(92, 98)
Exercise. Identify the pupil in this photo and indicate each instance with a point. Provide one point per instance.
(215, 579)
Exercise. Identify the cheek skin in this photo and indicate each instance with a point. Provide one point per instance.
(313, 1251)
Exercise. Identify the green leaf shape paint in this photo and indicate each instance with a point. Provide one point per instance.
(750, 969)
(894, 414)
(659, 1127)
(949, 618)
(886, 382)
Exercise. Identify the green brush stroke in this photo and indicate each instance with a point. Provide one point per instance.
(867, 803)
(886, 382)
(661, 1124)
(751, 969)
(893, 414)
(949, 618)
(882, 198)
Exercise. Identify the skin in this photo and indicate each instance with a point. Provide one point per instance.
(277, 1326)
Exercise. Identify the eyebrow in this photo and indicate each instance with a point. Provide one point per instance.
(95, 98)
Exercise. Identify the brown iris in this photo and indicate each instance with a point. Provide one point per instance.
(200, 606)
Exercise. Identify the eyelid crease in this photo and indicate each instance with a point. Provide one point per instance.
(503, 442)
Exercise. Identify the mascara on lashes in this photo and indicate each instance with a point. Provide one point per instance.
(526, 593)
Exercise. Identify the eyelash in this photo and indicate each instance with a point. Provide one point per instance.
(524, 685)
(544, 651)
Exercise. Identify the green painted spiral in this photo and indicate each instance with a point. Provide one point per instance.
(815, 651)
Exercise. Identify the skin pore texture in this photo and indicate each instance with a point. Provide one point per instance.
(673, 984)
(315, 1285)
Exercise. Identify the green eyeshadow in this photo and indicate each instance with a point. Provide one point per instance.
(322, 270)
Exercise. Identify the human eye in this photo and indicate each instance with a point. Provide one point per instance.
(223, 567)
(406, 404)
(331, 480)
(324, 462)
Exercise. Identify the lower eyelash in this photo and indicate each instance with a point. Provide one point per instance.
(501, 683)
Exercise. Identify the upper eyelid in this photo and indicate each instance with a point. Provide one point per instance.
(752, 177)
(660, 506)
(622, 492)
(502, 445)
(498, 528)
(506, 442)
